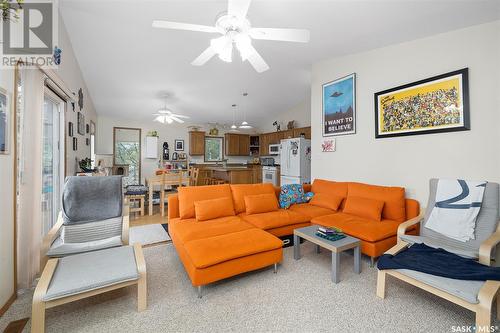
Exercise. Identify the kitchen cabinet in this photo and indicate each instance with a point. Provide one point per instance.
(196, 143)
(305, 130)
(288, 134)
(264, 145)
(237, 144)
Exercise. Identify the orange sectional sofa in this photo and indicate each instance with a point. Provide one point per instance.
(223, 230)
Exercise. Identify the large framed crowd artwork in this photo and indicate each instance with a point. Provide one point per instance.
(339, 106)
(434, 105)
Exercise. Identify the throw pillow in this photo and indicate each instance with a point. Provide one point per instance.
(261, 203)
(291, 194)
(325, 200)
(213, 208)
(363, 207)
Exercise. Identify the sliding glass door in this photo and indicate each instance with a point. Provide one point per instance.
(52, 161)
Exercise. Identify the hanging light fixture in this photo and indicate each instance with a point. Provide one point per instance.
(244, 123)
(234, 128)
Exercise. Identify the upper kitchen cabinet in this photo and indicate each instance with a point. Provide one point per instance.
(303, 130)
(196, 143)
(237, 144)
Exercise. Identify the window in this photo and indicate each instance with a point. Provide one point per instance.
(127, 153)
(213, 149)
(51, 159)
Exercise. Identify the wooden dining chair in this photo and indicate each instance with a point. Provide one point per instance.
(194, 174)
(169, 183)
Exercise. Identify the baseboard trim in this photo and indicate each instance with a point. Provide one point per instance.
(7, 305)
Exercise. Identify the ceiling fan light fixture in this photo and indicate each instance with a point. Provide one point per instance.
(244, 45)
(223, 46)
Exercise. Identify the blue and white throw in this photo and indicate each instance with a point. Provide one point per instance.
(458, 203)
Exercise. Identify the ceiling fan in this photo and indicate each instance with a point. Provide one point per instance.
(166, 116)
(235, 29)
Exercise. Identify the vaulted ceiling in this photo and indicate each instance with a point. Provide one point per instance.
(127, 64)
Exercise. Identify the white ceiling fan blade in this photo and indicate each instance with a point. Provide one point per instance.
(204, 57)
(238, 8)
(183, 26)
(177, 119)
(179, 115)
(256, 60)
(286, 35)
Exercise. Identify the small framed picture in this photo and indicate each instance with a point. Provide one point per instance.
(179, 145)
(87, 141)
(87, 128)
(81, 124)
(4, 121)
(328, 145)
(75, 144)
(70, 129)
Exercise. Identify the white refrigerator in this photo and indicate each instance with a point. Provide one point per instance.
(295, 158)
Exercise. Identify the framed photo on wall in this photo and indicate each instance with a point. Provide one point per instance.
(339, 106)
(4, 121)
(81, 124)
(179, 145)
(434, 105)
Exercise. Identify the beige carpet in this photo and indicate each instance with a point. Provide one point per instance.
(299, 298)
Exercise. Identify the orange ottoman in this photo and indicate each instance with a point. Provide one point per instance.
(219, 257)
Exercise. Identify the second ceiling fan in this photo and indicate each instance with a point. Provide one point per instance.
(236, 30)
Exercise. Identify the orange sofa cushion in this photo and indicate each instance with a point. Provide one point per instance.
(393, 197)
(189, 229)
(278, 218)
(189, 194)
(364, 207)
(214, 250)
(358, 227)
(310, 211)
(239, 192)
(325, 200)
(213, 208)
(261, 203)
(329, 187)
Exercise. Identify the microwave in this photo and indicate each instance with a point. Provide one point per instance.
(274, 149)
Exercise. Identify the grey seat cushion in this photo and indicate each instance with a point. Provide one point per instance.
(91, 231)
(464, 289)
(60, 249)
(89, 199)
(486, 223)
(90, 271)
(435, 243)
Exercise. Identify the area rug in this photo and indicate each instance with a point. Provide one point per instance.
(148, 234)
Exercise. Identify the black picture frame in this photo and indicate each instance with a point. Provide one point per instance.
(70, 129)
(463, 79)
(87, 141)
(75, 144)
(179, 145)
(87, 128)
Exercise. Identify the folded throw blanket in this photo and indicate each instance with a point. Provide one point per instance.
(457, 205)
(426, 259)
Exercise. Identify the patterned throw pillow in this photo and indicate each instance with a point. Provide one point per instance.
(293, 193)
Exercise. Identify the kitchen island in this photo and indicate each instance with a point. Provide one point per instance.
(233, 174)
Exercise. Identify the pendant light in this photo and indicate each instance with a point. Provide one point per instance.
(244, 123)
(234, 128)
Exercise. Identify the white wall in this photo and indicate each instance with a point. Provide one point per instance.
(69, 72)
(410, 161)
(7, 201)
(301, 113)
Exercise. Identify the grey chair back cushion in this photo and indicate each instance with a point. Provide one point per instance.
(486, 222)
(89, 199)
(61, 249)
(91, 231)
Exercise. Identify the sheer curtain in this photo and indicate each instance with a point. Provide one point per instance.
(29, 189)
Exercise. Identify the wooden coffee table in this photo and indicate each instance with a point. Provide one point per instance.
(309, 233)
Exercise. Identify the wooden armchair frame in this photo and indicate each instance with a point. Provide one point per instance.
(487, 293)
(56, 229)
(39, 305)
